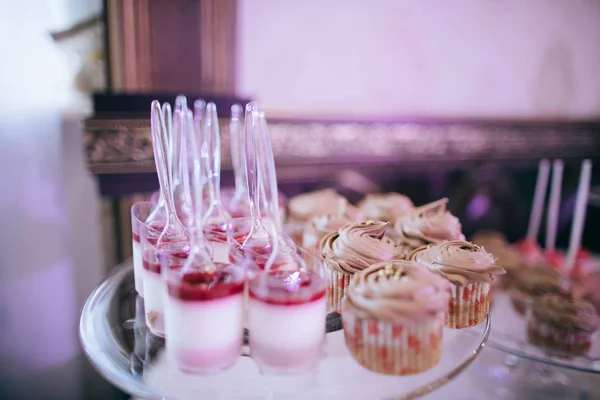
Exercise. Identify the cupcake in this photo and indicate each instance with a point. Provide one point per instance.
(470, 270)
(402, 251)
(393, 317)
(428, 224)
(506, 256)
(385, 207)
(560, 323)
(534, 282)
(351, 249)
(307, 205)
(320, 226)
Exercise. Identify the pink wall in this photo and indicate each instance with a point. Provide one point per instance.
(438, 58)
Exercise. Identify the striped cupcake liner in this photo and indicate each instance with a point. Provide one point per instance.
(338, 282)
(393, 349)
(469, 305)
(555, 340)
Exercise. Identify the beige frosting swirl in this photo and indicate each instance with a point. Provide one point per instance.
(320, 202)
(458, 261)
(324, 224)
(357, 246)
(563, 312)
(386, 206)
(396, 291)
(402, 251)
(427, 224)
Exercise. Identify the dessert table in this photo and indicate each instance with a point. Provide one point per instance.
(119, 345)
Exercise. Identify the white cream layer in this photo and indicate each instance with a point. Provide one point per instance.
(138, 268)
(204, 325)
(154, 289)
(287, 326)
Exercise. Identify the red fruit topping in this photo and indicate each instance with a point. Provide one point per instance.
(199, 285)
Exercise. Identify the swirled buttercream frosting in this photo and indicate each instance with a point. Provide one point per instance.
(386, 206)
(345, 214)
(427, 224)
(565, 313)
(458, 261)
(307, 205)
(357, 246)
(397, 291)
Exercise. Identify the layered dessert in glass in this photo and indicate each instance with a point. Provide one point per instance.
(139, 214)
(286, 316)
(203, 316)
(176, 250)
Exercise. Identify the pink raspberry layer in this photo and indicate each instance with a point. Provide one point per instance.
(287, 288)
(286, 361)
(207, 361)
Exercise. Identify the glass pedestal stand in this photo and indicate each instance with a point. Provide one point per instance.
(524, 371)
(118, 344)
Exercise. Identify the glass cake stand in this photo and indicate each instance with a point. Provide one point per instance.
(118, 344)
(526, 368)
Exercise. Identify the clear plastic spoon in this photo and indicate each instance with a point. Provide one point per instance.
(258, 232)
(162, 128)
(199, 256)
(178, 163)
(236, 139)
(282, 244)
(216, 217)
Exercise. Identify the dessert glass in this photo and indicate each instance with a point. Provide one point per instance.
(154, 285)
(139, 213)
(203, 315)
(239, 207)
(286, 317)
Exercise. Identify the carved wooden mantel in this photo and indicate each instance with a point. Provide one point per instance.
(117, 146)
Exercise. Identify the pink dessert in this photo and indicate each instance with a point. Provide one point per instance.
(203, 318)
(287, 321)
(154, 285)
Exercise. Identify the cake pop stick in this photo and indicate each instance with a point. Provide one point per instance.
(579, 217)
(535, 218)
(554, 205)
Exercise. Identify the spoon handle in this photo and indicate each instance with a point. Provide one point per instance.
(269, 178)
(195, 182)
(212, 152)
(269, 184)
(250, 156)
(237, 141)
(159, 148)
(176, 142)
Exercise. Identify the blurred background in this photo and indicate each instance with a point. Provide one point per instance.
(427, 98)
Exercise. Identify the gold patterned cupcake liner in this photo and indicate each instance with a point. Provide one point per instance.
(338, 282)
(469, 305)
(393, 349)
